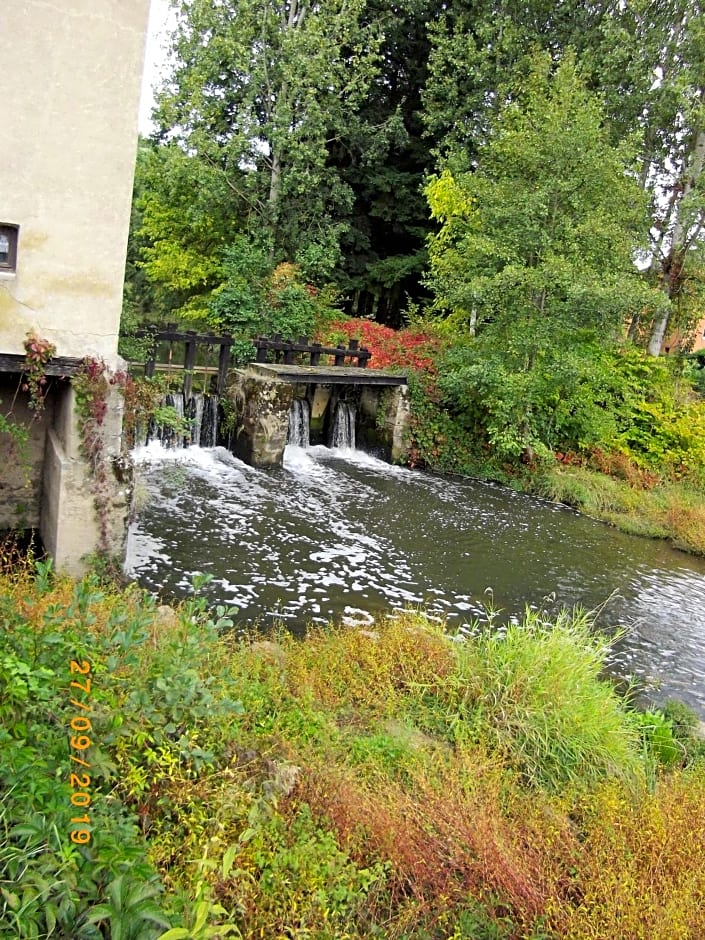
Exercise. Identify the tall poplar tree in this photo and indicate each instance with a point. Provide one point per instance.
(651, 66)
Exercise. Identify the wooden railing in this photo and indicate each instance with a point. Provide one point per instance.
(191, 341)
(285, 351)
(288, 350)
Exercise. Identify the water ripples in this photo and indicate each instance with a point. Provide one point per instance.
(341, 535)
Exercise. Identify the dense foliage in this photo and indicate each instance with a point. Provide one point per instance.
(415, 347)
(387, 783)
(317, 125)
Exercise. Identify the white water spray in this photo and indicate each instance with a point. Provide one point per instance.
(343, 434)
(299, 421)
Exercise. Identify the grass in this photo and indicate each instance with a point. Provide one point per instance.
(672, 511)
(392, 783)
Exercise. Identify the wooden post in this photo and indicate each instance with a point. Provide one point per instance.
(339, 356)
(151, 363)
(316, 354)
(189, 363)
(223, 363)
(364, 357)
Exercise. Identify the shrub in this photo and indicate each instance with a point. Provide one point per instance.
(414, 348)
(639, 871)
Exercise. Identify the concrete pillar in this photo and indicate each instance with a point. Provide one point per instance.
(385, 420)
(84, 510)
(397, 423)
(261, 406)
(319, 396)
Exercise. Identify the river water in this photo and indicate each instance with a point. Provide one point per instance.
(341, 535)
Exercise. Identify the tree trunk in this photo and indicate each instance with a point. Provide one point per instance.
(658, 333)
(275, 183)
(679, 243)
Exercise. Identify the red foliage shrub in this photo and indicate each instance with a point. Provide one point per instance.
(445, 842)
(410, 348)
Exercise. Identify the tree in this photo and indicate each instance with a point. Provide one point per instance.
(259, 93)
(650, 64)
(384, 162)
(646, 61)
(183, 220)
(536, 243)
(479, 49)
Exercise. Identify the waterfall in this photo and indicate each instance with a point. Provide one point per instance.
(343, 434)
(201, 413)
(194, 411)
(208, 434)
(299, 418)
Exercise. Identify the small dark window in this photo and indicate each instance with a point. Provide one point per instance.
(8, 247)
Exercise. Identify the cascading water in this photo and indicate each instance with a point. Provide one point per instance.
(200, 410)
(208, 431)
(299, 423)
(194, 411)
(343, 434)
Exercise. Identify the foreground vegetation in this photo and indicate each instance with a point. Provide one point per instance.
(389, 783)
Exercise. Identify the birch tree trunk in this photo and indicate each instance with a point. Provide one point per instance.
(680, 238)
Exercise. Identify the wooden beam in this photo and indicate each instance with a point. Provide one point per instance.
(57, 365)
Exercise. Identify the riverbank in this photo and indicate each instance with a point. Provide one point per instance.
(392, 782)
(609, 488)
(671, 511)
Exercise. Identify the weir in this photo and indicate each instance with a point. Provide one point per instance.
(347, 407)
(341, 404)
(195, 421)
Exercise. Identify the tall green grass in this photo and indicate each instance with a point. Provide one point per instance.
(534, 693)
(673, 511)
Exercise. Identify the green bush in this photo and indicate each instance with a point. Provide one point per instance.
(73, 859)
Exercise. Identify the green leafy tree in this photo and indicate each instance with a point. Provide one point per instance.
(651, 64)
(183, 221)
(646, 61)
(478, 52)
(260, 299)
(258, 94)
(534, 255)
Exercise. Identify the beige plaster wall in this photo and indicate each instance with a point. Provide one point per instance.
(71, 72)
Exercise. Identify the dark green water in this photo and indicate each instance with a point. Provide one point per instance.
(343, 536)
